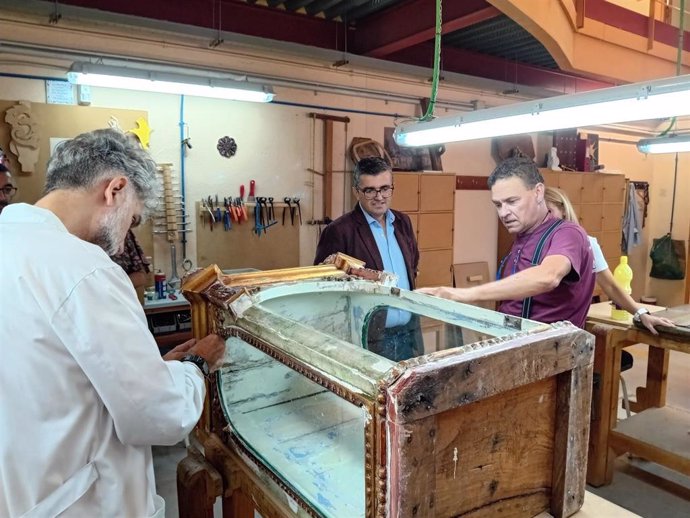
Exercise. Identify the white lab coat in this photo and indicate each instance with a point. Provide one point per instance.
(84, 391)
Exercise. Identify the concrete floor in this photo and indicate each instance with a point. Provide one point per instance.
(642, 487)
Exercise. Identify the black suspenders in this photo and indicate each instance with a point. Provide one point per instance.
(527, 303)
(538, 251)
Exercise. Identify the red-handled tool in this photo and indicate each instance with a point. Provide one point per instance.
(252, 188)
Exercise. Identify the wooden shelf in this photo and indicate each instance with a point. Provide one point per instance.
(661, 435)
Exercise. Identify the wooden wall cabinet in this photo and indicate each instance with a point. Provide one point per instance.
(429, 200)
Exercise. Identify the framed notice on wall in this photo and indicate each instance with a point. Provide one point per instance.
(59, 92)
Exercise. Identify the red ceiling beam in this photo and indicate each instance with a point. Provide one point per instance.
(237, 16)
(414, 22)
(483, 65)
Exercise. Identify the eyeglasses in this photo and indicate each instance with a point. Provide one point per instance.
(8, 190)
(370, 193)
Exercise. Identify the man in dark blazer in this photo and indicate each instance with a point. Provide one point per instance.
(384, 239)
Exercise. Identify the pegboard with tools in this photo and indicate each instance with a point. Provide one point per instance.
(262, 234)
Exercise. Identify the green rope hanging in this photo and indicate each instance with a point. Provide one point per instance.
(437, 65)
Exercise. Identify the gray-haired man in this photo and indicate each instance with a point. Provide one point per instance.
(85, 391)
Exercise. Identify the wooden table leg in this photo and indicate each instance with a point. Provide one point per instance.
(597, 455)
(616, 347)
(198, 485)
(654, 393)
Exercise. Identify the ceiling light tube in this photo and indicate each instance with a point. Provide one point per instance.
(165, 82)
(640, 101)
(665, 144)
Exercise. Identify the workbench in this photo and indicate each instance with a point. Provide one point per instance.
(656, 432)
(169, 321)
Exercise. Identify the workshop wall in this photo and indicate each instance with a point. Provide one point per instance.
(278, 144)
(658, 171)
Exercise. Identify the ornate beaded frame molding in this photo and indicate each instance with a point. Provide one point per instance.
(228, 437)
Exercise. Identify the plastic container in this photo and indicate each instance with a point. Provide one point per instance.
(150, 294)
(623, 276)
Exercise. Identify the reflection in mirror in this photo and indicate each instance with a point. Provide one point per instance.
(304, 433)
(385, 324)
(400, 335)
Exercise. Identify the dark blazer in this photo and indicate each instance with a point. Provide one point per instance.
(351, 235)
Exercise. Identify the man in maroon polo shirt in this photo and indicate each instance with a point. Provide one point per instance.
(548, 275)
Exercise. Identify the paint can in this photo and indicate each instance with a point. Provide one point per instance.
(161, 285)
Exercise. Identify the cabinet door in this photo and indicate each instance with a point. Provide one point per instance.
(435, 230)
(406, 194)
(437, 192)
(592, 188)
(614, 188)
(435, 268)
(571, 185)
(591, 217)
(612, 216)
(610, 243)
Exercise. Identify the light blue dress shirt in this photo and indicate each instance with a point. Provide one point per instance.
(393, 261)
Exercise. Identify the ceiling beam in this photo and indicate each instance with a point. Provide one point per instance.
(237, 16)
(483, 65)
(414, 22)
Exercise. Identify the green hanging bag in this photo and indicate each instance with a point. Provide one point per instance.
(668, 259)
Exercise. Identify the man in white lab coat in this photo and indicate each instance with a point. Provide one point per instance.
(83, 389)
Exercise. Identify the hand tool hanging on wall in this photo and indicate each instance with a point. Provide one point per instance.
(263, 209)
(241, 210)
(271, 212)
(227, 215)
(299, 208)
(207, 212)
(257, 219)
(218, 214)
(252, 190)
(241, 203)
(288, 202)
(211, 216)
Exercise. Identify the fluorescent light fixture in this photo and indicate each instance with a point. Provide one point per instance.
(165, 82)
(640, 101)
(665, 144)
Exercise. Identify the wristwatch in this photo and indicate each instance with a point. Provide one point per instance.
(198, 361)
(638, 314)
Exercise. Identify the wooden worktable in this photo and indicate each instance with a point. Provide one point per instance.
(657, 433)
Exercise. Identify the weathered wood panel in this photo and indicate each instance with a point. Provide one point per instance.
(485, 371)
(574, 395)
(495, 456)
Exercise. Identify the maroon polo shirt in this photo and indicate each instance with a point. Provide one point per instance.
(570, 300)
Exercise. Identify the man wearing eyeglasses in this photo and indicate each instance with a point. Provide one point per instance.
(383, 238)
(7, 189)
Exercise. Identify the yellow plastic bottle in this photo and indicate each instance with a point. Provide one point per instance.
(623, 275)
